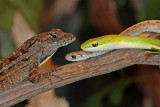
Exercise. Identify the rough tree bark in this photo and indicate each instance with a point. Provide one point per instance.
(73, 72)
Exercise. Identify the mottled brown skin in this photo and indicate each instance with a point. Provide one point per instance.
(25, 61)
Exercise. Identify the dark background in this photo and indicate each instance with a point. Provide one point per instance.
(87, 19)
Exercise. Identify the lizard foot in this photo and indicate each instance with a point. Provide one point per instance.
(34, 76)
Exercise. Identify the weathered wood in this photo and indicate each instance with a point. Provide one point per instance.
(73, 72)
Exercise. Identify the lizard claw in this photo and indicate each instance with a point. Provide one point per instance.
(34, 76)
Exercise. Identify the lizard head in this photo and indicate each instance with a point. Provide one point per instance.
(52, 40)
(97, 44)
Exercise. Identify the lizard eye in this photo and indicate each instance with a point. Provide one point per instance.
(95, 44)
(53, 35)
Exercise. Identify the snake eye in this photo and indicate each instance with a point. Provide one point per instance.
(53, 35)
(95, 44)
(73, 56)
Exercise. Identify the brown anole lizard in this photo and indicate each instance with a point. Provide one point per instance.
(25, 61)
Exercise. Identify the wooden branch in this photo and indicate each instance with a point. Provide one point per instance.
(73, 72)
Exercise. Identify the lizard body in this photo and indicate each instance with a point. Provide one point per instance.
(25, 61)
(135, 30)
